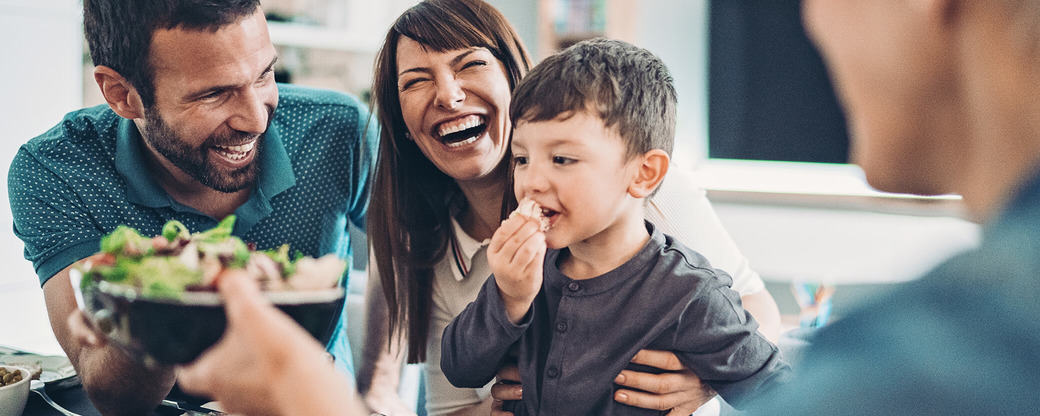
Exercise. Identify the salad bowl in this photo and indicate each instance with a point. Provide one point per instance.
(175, 331)
(156, 299)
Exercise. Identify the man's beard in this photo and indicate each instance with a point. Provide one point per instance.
(195, 160)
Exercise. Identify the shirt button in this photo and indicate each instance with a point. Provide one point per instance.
(561, 326)
(552, 372)
(573, 286)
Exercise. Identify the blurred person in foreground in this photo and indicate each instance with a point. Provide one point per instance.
(958, 114)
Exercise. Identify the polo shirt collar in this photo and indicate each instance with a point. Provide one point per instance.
(274, 177)
(463, 248)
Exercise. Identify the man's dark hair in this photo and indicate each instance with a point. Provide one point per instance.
(119, 32)
(624, 85)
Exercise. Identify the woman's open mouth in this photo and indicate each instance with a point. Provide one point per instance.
(461, 131)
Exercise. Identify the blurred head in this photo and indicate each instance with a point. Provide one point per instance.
(448, 66)
(196, 76)
(900, 71)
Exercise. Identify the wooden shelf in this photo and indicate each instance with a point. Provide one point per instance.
(619, 18)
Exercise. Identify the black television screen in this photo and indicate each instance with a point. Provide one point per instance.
(769, 95)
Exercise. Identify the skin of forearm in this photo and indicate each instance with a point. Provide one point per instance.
(381, 363)
(516, 310)
(763, 308)
(114, 383)
(319, 393)
(117, 386)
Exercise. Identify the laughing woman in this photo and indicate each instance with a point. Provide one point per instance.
(443, 81)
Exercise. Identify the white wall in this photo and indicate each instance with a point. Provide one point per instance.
(677, 32)
(674, 30)
(40, 80)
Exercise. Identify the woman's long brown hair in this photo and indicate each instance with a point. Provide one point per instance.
(409, 216)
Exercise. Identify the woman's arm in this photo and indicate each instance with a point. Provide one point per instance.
(681, 209)
(379, 372)
(677, 389)
(763, 308)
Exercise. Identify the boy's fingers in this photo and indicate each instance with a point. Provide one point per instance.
(527, 253)
(505, 232)
(516, 243)
(665, 360)
(533, 264)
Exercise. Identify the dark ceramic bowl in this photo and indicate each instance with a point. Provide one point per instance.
(176, 331)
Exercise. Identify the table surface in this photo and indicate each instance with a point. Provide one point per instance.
(74, 399)
(32, 332)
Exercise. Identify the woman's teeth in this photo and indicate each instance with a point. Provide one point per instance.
(461, 124)
(462, 143)
(462, 131)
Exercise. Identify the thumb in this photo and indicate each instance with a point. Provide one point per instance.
(192, 379)
(240, 291)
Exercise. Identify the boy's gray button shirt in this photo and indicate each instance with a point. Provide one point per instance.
(667, 297)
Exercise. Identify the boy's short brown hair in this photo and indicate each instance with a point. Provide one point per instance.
(626, 86)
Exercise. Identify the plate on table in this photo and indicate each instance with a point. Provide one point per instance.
(55, 370)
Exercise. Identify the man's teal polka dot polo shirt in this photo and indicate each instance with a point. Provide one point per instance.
(82, 178)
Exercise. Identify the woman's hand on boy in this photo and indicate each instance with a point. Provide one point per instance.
(677, 389)
(515, 256)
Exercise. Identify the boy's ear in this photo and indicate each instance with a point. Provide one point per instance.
(120, 95)
(649, 174)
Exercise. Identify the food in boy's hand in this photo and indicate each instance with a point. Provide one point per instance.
(178, 261)
(530, 209)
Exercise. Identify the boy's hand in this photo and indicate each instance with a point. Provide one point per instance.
(515, 255)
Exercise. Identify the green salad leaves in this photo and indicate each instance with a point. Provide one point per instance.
(176, 261)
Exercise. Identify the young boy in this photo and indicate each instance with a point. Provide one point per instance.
(593, 129)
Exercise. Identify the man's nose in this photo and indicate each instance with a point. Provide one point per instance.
(252, 110)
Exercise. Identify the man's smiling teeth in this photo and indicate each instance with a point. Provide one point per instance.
(240, 148)
(236, 152)
(461, 124)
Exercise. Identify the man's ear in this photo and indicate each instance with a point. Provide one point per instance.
(120, 95)
(653, 165)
